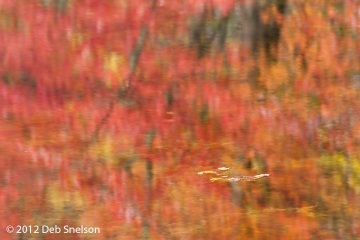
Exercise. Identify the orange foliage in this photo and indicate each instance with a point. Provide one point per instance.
(109, 109)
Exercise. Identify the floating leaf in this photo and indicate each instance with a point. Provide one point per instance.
(223, 168)
(224, 178)
(207, 172)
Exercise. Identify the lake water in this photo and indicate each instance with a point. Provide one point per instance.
(146, 119)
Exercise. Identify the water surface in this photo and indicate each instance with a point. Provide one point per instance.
(108, 112)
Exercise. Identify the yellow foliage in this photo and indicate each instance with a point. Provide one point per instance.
(113, 61)
(76, 39)
(275, 76)
(115, 68)
(60, 199)
(105, 150)
(341, 168)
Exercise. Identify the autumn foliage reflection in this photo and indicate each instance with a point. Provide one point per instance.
(110, 108)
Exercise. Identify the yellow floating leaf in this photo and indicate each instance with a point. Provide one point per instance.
(207, 172)
(223, 168)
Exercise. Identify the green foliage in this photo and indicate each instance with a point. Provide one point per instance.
(204, 113)
(60, 5)
(314, 101)
(342, 170)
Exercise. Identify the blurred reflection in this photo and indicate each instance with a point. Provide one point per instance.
(109, 111)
